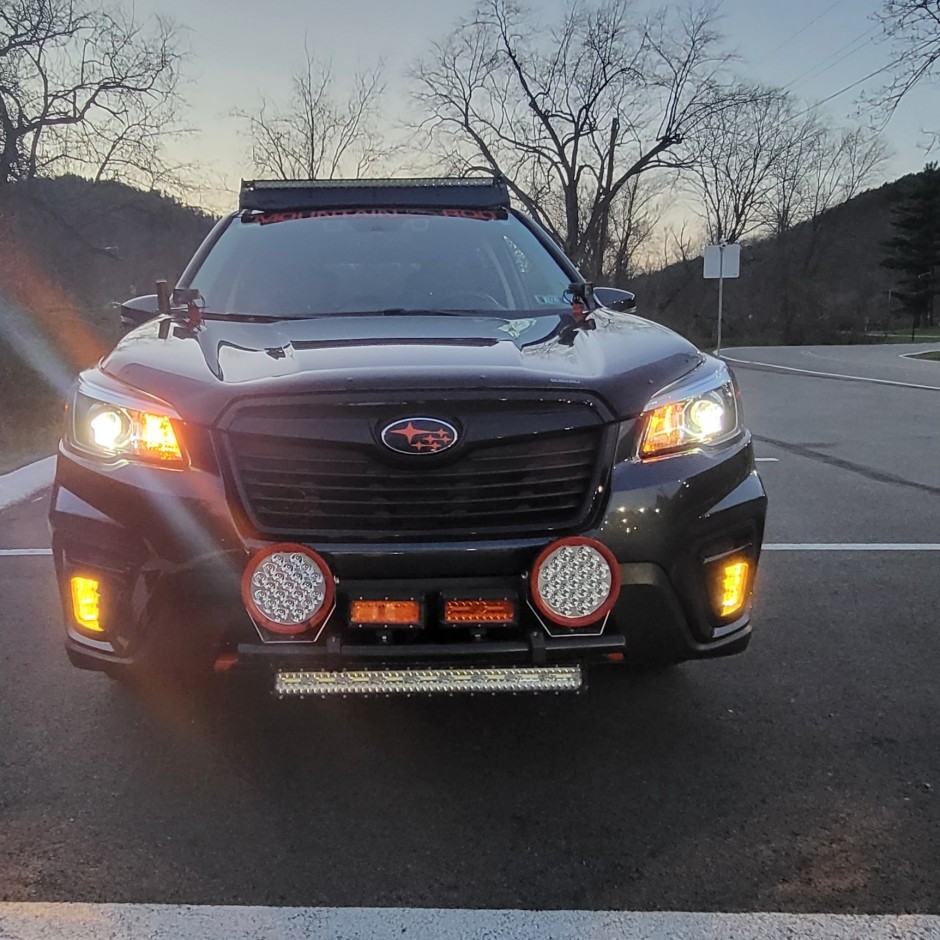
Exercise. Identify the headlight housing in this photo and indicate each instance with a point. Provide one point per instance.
(688, 416)
(115, 426)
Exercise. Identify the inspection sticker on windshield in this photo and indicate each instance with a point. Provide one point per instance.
(515, 328)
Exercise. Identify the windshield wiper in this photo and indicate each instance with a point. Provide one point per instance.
(387, 312)
(243, 317)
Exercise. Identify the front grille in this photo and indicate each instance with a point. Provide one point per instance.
(544, 483)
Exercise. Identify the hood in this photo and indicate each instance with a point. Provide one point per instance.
(621, 359)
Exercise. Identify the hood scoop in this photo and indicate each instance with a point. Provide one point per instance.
(477, 341)
(226, 345)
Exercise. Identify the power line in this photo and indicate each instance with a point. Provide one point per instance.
(800, 31)
(863, 79)
(822, 67)
(842, 91)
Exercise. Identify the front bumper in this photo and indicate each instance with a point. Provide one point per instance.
(170, 547)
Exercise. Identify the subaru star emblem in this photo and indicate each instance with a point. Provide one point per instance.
(419, 436)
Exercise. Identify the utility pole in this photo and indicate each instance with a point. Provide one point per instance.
(721, 294)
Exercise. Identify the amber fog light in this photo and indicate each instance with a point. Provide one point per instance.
(288, 589)
(575, 582)
(86, 603)
(731, 585)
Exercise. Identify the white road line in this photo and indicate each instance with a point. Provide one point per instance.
(23, 553)
(67, 921)
(917, 356)
(852, 547)
(25, 482)
(767, 459)
(832, 375)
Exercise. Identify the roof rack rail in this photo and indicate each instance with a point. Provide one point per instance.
(471, 192)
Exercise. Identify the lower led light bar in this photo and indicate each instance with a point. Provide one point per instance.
(411, 681)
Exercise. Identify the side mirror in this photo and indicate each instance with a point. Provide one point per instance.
(613, 298)
(139, 310)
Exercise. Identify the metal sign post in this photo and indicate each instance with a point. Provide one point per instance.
(722, 261)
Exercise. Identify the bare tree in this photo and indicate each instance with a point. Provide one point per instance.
(792, 198)
(130, 146)
(769, 163)
(68, 73)
(569, 114)
(319, 134)
(634, 217)
(766, 166)
(735, 153)
(912, 27)
(820, 168)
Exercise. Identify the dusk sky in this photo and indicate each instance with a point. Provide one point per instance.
(243, 48)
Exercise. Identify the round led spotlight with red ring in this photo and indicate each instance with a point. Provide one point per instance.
(288, 589)
(575, 582)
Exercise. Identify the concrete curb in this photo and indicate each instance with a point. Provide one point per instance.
(71, 921)
(25, 482)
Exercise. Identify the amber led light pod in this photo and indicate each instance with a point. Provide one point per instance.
(479, 611)
(386, 612)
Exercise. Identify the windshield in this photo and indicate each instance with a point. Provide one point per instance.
(308, 264)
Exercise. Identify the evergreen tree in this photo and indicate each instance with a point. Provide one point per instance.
(914, 249)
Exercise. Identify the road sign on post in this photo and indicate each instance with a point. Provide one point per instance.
(722, 261)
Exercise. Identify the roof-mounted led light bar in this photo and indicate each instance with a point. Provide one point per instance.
(474, 192)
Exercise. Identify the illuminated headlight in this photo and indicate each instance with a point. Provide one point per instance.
(575, 582)
(116, 429)
(288, 589)
(680, 424)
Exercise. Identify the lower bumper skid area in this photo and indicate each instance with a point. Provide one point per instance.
(435, 680)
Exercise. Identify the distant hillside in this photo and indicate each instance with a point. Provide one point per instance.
(820, 282)
(98, 242)
(69, 250)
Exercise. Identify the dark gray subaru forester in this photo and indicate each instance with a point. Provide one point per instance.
(383, 437)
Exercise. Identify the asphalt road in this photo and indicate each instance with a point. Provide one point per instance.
(802, 776)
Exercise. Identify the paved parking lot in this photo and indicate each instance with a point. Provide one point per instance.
(803, 776)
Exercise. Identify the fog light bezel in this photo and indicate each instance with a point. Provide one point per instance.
(321, 615)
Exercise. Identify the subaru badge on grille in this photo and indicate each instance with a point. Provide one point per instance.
(419, 436)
